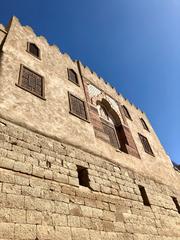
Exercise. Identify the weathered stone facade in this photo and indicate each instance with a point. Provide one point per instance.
(42, 143)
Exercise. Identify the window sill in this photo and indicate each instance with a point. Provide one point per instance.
(151, 154)
(39, 58)
(41, 97)
(77, 84)
(84, 119)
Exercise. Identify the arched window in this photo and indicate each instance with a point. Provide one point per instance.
(126, 112)
(144, 124)
(103, 112)
(34, 50)
(72, 76)
(108, 125)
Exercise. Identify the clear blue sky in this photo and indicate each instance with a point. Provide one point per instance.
(133, 44)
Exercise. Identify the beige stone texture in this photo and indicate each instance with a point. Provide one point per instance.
(41, 145)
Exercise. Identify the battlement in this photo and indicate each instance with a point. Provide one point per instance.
(45, 114)
(78, 161)
(106, 84)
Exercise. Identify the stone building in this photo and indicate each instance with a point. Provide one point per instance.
(77, 160)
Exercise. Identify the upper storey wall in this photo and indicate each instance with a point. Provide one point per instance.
(52, 117)
(48, 116)
(134, 124)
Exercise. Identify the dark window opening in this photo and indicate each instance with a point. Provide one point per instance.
(48, 164)
(126, 112)
(146, 145)
(77, 107)
(31, 82)
(144, 124)
(34, 50)
(176, 204)
(144, 196)
(83, 176)
(72, 76)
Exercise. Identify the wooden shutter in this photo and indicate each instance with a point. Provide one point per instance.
(77, 107)
(31, 81)
(126, 112)
(112, 135)
(146, 145)
(144, 124)
(72, 76)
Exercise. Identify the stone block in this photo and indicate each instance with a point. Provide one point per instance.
(73, 221)
(62, 233)
(23, 167)
(6, 230)
(61, 207)
(25, 231)
(45, 232)
(80, 233)
(14, 201)
(34, 217)
(59, 220)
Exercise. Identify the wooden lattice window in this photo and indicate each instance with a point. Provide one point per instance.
(110, 131)
(146, 145)
(31, 82)
(144, 124)
(33, 49)
(72, 76)
(77, 107)
(126, 112)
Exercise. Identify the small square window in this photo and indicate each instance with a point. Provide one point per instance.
(72, 76)
(83, 176)
(33, 49)
(31, 82)
(144, 196)
(77, 107)
(146, 145)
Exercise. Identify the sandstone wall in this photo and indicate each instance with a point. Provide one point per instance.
(51, 116)
(41, 145)
(40, 196)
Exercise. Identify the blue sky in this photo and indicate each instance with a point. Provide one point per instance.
(133, 44)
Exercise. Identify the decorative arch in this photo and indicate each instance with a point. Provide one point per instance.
(111, 112)
(102, 97)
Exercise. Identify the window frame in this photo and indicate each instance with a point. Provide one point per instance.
(85, 107)
(76, 83)
(126, 112)
(19, 84)
(147, 142)
(144, 124)
(112, 127)
(28, 50)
